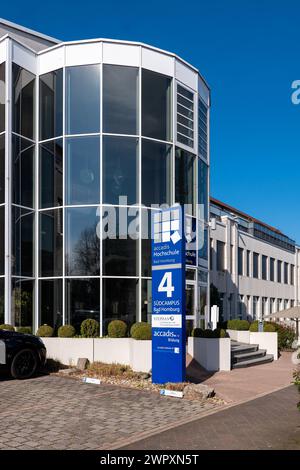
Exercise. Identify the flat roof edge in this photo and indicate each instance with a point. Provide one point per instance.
(29, 31)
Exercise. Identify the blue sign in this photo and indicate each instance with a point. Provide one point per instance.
(168, 296)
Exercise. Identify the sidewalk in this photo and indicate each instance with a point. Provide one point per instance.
(240, 385)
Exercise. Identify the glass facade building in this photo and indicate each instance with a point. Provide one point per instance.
(85, 128)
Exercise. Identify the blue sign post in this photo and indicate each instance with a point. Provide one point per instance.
(168, 296)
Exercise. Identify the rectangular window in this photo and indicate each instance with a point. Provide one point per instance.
(120, 99)
(202, 129)
(22, 242)
(240, 261)
(156, 105)
(286, 273)
(264, 261)
(248, 263)
(23, 102)
(279, 270)
(51, 104)
(156, 173)
(272, 269)
(83, 99)
(22, 302)
(120, 301)
(202, 190)
(51, 174)
(2, 242)
(22, 172)
(185, 180)
(292, 274)
(185, 116)
(220, 256)
(272, 305)
(255, 307)
(2, 168)
(2, 300)
(279, 305)
(2, 97)
(51, 241)
(255, 264)
(50, 297)
(82, 301)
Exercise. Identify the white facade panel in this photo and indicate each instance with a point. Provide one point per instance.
(3, 45)
(52, 60)
(157, 62)
(121, 54)
(186, 75)
(80, 54)
(24, 58)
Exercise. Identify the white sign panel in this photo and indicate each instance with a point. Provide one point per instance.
(166, 321)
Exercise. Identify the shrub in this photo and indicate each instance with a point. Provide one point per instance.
(218, 333)
(66, 331)
(24, 329)
(141, 330)
(89, 328)
(296, 376)
(45, 331)
(268, 327)
(117, 329)
(286, 336)
(7, 327)
(111, 370)
(236, 324)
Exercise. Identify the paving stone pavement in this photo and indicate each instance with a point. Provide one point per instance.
(52, 412)
(268, 422)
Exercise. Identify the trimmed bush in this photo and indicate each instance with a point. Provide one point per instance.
(26, 330)
(239, 325)
(218, 333)
(66, 331)
(117, 329)
(89, 328)
(5, 326)
(286, 336)
(141, 330)
(45, 331)
(268, 327)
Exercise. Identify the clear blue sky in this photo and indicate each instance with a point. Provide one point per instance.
(248, 51)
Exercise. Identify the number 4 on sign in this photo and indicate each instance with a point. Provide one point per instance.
(166, 284)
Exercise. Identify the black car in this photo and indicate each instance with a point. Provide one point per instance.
(21, 355)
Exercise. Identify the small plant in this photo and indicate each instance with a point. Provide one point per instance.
(117, 329)
(5, 326)
(45, 331)
(90, 328)
(66, 331)
(27, 330)
(286, 336)
(296, 376)
(239, 325)
(111, 370)
(268, 327)
(141, 330)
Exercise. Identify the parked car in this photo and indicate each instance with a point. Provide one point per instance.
(21, 355)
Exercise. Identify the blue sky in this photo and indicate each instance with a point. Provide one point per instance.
(247, 50)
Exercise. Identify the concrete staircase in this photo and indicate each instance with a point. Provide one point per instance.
(247, 355)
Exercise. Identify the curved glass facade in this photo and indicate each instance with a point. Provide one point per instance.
(95, 147)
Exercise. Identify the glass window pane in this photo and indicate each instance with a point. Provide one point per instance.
(156, 105)
(22, 303)
(156, 173)
(185, 180)
(51, 237)
(22, 172)
(23, 102)
(82, 301)
(83, 99)
(2, 97)
(120, 301)
(120, 245)
(51, 104)
(146, 242)
(2, 239)
(83, 170)
(2, 169)
(22, 242)
(51, 174)
(146, 300)
(2, 301)
(202, 190)
(120, 170)
(50, 294)
(82, 242)
(120, 99)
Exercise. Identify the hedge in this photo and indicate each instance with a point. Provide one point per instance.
(117, 329)
(90, 328)
(268, 327)
(45, 331)
(217, 333)
(66, 331)
(141, 330)
(239, 325)
(5, 326)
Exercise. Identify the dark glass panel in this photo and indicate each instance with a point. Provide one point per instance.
(51, 238)
(146, 300)
(22, 242)
(23, 101)
(202, 190)
(120, 301)
(22, 172)
(185, 180)
(120, 245)
(50, 294)
(82, 242)
(146, 242)
(51, 174)
(2, 239)
(2, 169)
(156, 173)
(120, 99)
(2, 300)
(156, 105)
(2, 97)
(83, 170)
(82, 301)
(51, 104)
(83, 99)
(120, 169)
(22, 302)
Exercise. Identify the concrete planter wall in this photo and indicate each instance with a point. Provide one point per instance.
(240, 336)
(127, 351)
(268, 341)
(211, 353)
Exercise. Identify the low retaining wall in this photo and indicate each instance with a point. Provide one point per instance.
(127, 351)
(240, 336)
(268, 341)
(211, 353)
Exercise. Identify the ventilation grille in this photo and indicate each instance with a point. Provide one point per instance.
(202, 129)
(185, 116)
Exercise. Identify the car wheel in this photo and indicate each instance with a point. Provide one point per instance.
(24, 364)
